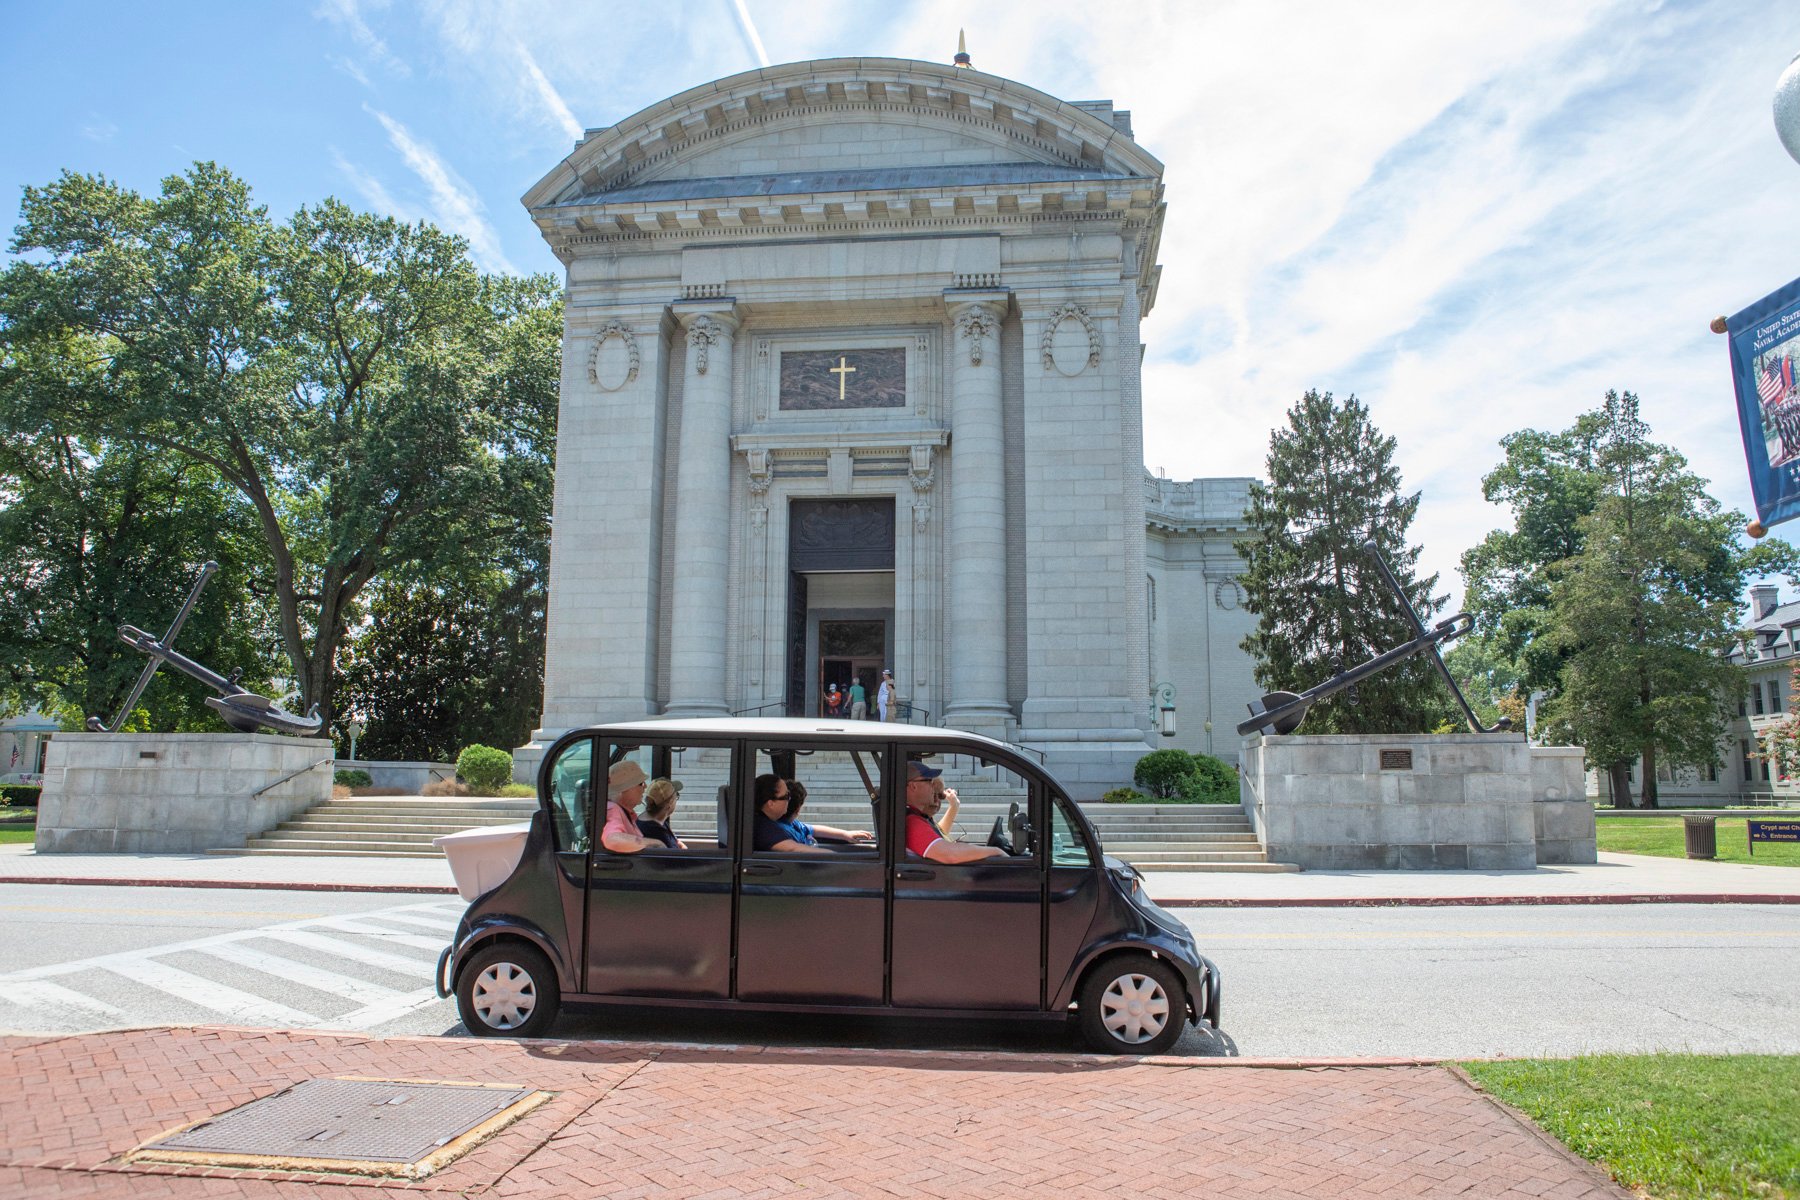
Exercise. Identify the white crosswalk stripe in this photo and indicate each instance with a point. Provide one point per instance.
(266, 967)
(36, 995)
(215, 997)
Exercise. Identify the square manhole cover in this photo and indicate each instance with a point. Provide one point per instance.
(368, 1126)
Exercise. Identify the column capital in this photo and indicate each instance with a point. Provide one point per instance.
(706, 327)
(976, 314)
(721, 310)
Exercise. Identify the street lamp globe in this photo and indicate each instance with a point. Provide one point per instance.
(1787, 108)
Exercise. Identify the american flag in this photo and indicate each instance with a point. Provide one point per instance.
(1770, 387)
(15, 758)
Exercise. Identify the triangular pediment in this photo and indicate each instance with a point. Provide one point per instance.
(850, 117)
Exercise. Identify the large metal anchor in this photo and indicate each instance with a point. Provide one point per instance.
(242, 710)
(1282, 712)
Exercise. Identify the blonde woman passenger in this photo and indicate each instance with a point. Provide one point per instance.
(659, 807)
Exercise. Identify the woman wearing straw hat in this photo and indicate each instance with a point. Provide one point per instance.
(624, 791)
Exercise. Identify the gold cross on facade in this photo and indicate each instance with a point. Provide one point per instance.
(843, 371)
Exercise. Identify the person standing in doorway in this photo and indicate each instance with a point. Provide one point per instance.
(859, 701)
(884, 697)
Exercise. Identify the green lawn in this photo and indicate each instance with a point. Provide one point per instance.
(17, 833)
(1663, 836)
(1672, 1126)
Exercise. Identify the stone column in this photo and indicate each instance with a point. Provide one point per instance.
(975, 616)
(702, 514)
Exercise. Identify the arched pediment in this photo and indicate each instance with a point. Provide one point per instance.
(842, 115)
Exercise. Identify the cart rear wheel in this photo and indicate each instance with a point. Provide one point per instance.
(508, 989)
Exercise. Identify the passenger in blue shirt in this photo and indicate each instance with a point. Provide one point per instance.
(808, 835)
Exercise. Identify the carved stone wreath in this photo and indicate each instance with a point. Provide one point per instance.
(1067, 311)
(975, 324)
(613, 328)
(703, 335)
(1228, 595)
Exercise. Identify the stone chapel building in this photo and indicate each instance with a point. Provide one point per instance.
(851, 383)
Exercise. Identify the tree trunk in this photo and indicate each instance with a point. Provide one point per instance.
(1621, 784)
(1648, 794)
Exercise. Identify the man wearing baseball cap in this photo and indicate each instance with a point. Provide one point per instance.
(922, 836)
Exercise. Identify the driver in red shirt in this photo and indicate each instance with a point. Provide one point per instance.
(922, 836)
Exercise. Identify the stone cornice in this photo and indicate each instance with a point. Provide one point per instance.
(1135, 200)
(800, 441)
(1035, 125)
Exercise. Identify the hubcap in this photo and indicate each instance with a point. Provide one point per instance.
(1134, 1008)
(504, 996)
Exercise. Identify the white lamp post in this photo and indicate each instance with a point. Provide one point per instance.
(354, 727)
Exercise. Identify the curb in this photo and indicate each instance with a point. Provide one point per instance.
(555, 1047)
(1480, 901)
(431, 889)
(421, 889)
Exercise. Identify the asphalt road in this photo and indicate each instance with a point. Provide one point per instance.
(1453, 982)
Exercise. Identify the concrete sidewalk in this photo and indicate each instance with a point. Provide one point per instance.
(739, 1121)
(1616, 879)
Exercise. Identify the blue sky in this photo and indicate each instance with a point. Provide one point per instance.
(1475, 217)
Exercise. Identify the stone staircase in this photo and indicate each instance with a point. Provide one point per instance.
(1152, 837)
(383, 826)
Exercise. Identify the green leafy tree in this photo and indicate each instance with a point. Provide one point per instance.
(96, 534)
(353, 379)
(1320, 600)
(437, 669)
(1550, 481)
(1643, 613)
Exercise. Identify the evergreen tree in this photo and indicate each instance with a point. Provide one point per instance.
(1319, 597)
(1643, 614)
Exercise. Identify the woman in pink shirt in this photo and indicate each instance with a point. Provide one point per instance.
(624, 792)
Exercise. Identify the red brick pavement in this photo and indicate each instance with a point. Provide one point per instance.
(737, 1123)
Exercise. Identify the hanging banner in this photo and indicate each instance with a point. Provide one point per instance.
(1765, 344)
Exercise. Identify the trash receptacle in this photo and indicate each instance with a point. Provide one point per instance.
(1702, 835)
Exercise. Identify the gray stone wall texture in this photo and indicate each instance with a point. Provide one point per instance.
(1480, 802)
(174, 793)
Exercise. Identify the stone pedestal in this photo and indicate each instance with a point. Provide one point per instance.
(1488, 802)
(175, 793)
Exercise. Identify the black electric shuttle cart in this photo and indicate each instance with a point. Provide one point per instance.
(844, 918)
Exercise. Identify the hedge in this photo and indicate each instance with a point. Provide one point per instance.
(1177, 777)
(353, 779)
(484, 768)
(21, 795)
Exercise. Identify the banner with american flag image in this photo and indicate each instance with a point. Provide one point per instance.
(1764, 340)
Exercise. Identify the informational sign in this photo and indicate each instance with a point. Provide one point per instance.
(1771, 831)
(1765, 369)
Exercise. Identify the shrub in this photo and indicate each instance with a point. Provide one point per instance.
(23, 795)
(352, 779)
(1217, 779)
(444, 787)
(1124, 795)
(485, 769)
(1166, 774)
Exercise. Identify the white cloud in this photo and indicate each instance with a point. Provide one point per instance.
(486, 36)
(750, 34)
(454, 205)
(99, 129)
(373, 191)
(348, 16)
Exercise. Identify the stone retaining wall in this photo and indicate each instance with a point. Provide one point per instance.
(1440, 802)
(171, 793)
